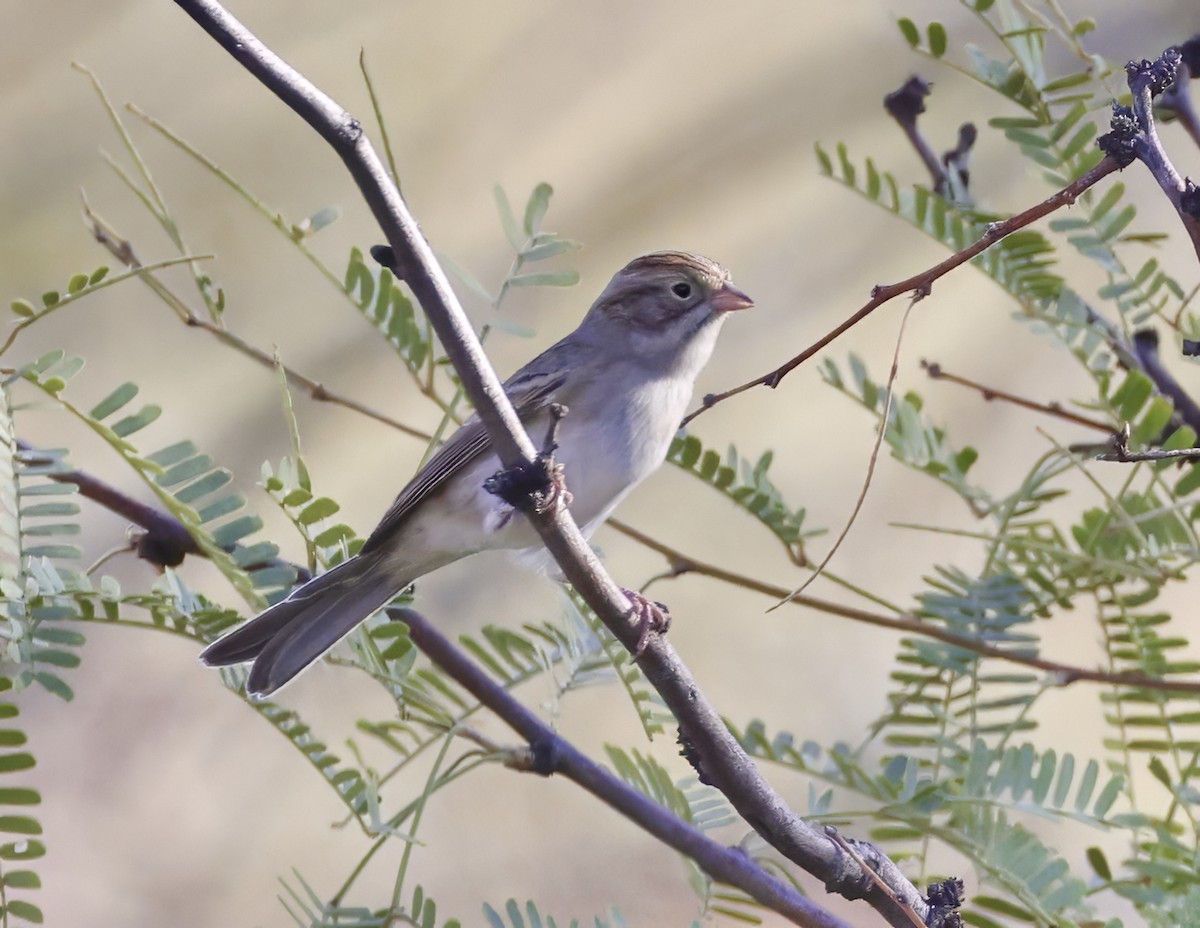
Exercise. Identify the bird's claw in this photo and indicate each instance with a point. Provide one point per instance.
(649, 615)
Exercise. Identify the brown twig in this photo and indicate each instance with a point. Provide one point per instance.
(936, 372)
(1063, 674)
(922, 283)
(884, 422)
(165, 541)
(122, 249)
(847, 845)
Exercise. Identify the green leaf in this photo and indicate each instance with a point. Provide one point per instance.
(20, 825)
(937, 39)
(26, 910)
(321, 508)
(550, 279)
(19, 796)
(18, 761)
(114, 401)
(908, 29)
(23, 308)
(1099, 863)
(22, 879)
(508, 221)
(535, 209)
(550, 249)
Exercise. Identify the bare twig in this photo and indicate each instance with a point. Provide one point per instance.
(848, 846)
(122, 249)
(1119, 451)
(936, 372)
(1062, 674)
(726, 763)
(884, 422)
(922, 283)
(164, 540)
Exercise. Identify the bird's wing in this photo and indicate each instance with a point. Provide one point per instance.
(529, 390)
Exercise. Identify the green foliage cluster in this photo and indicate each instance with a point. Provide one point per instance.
(953, 760)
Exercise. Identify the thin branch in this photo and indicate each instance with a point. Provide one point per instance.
(122, 249)
(922, 283)
(936, 372)
(164, 541)
(849, 848)
(1063, 674)
(550, 753)
(1119, 451)
(884, 421)
(724, 761)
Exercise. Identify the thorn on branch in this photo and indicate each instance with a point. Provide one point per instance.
(385, 256)
(688, 752)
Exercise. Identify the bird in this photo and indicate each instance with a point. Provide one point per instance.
(625, 377)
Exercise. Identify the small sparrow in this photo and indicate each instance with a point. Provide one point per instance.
(625, 375)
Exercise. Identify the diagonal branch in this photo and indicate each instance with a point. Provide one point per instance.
(922, 283)
(1063, 674)
(725, 763)
(553, 754)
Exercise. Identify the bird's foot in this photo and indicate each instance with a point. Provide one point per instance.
(538, 486)
(649, 615)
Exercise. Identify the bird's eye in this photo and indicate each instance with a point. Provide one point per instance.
(682, 289)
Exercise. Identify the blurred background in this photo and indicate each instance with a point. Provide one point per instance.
(669, 125)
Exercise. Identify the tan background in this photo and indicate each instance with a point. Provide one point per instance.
(669, 125)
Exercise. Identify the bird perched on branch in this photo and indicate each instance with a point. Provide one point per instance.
(626, 376)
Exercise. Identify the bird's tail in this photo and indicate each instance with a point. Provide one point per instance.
(294, 632)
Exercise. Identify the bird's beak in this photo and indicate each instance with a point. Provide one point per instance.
(729, 298)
